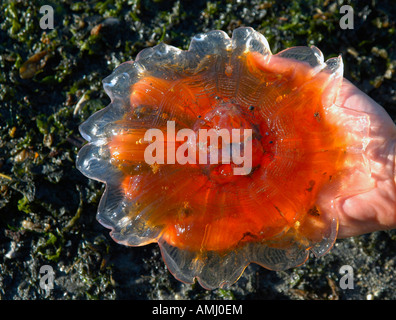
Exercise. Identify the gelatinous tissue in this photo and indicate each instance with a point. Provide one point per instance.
(262, 186)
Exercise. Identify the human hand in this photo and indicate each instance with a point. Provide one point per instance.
(375, 209)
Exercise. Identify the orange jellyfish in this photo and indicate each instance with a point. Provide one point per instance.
(225, 155)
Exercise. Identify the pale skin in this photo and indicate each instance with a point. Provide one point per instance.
(375, 209)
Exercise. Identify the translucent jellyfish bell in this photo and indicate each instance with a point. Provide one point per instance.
(304, 152)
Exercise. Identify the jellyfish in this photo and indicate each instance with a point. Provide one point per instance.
(226, 154)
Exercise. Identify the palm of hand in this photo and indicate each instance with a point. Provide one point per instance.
(375, 209)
